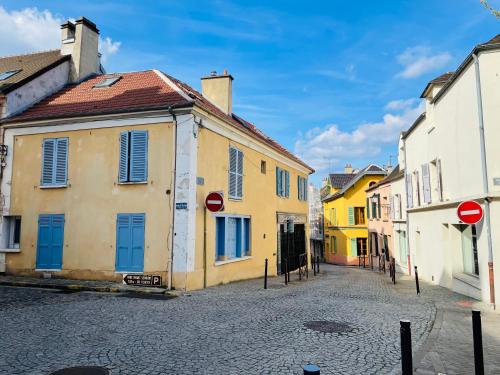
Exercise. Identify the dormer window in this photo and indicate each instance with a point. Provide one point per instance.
(107, 82)
(8, 74)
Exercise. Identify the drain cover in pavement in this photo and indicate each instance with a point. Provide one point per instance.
(83, 370)
(328, 326)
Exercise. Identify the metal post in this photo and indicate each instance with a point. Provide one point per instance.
(406, 354)
(314, 265)
(311, 369)
(478, 342)
(265, 274)
(416, 281)
(286, 271)
(317, 262)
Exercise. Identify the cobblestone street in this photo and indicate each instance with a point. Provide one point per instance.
(233, 329)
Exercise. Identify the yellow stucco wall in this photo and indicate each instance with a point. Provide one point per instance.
(259, 201)
(92, 200)
(339, 225)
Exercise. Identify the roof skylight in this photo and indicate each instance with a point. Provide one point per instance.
(8, 74)
(106, 82)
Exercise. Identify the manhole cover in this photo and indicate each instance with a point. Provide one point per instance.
(328, 326)
(83, 370)
(147, 296)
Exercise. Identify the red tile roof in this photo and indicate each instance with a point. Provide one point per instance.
(134, 92)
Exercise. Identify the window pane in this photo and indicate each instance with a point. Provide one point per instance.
(467, 251)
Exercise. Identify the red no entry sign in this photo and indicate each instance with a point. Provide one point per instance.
(214, 201)
(470, 212)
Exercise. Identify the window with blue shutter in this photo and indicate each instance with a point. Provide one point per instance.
(235, 173)
(282, 183)
(133, 165)
(232, 237)
(55, 162)
(302, 188)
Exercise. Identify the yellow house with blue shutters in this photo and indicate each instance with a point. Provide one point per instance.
(345, 213)
(109, 177)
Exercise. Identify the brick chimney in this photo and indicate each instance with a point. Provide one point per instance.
(218, 89)
(81, 41)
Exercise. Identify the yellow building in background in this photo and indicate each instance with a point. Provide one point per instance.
(345, 213)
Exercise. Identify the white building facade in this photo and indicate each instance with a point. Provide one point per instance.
(448, 161)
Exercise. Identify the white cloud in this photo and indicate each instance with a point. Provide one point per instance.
(30, 30)
(420, 60)
(326, 148)
(348, 74)
(401, 104)
(107, 48)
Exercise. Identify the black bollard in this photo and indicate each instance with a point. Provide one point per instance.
(314, 265)
(311, 369)
(478, 342)
(416, 281)
(317, 263)
(265, 275)
(406, 354)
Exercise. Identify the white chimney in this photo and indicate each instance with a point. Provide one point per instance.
(81, 41)
(348, 169)
(218, 89)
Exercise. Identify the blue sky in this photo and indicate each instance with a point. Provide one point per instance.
(333, 81)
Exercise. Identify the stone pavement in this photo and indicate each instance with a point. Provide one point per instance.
(345, 320)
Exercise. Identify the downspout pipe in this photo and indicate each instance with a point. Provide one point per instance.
(407, 207)
(173, 192)
(484, 170)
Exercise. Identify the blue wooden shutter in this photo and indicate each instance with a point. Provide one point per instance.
(123, 167)
(239, 175)
(299, 188)
(123, 239)
(220, 236)
(61, 162)
(305, 188)
(246, 240)
(287, 184)
(139, 155)
(379, 211)
(367, 208)
(49, 150)
(279, 182)
(233, 161)
(138, 222)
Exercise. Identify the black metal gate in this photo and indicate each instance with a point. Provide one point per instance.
(293, 244)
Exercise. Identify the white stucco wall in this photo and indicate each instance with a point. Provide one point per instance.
(450, 133)
(37, 89)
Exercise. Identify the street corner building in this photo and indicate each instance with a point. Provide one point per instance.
(386, 229)
(451, 156)
(107, 175)
(345, 213)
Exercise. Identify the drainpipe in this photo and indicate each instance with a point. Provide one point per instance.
(173, 192)
(485, 180)
(407, 214)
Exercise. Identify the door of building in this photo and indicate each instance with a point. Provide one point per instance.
(292, 245)
(130, 242)
(50, 242)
